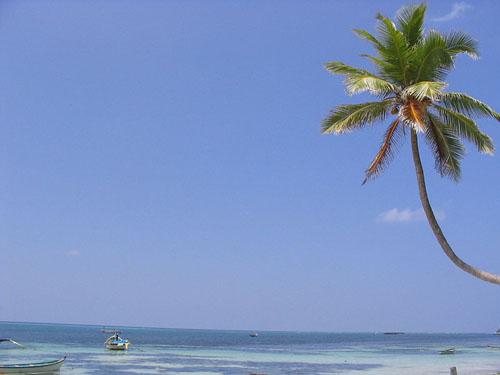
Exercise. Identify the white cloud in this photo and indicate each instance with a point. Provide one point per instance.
(396, 215)
(456, 10)
(73, 253)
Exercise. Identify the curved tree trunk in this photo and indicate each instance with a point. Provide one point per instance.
(486, 276)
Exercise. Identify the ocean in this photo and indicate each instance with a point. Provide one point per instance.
(210, 352)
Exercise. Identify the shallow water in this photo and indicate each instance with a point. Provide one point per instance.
(181, 351)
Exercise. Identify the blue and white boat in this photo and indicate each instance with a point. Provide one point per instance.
(115, 342)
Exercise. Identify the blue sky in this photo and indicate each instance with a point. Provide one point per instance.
(161, 164)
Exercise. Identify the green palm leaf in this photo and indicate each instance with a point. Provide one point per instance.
(367, 36)
(425, 90)
(360, 80)
(396, 52)
(466, 128)
(458, 42)
(463, 103)
(411, 22)
(446, 147)
(382, 68)
(434, 56)
(430, 60)
(346, 118)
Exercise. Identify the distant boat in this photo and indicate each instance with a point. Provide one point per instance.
(447, 351)
(113, 331)
(394, 333)
(497, 332)
(115, 342)
(253, 334)
(50, 367)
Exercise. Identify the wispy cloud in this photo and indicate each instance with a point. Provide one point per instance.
(73, 253)
(456, 10)
(396, 215)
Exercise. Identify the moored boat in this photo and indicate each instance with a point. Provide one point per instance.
(38, 368)
(115, 342)
(11, 341)
(447, 351)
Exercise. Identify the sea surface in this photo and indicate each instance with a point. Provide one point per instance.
(210, 352)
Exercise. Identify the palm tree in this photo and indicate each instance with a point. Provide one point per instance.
(411, 66)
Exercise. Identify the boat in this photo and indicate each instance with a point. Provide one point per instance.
(115, 342)
(394, 333)
(112, 331)
(497, 332)
(253, 334)
(38, 368)
(11, 341)
(447, 351)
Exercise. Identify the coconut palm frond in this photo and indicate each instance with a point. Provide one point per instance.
(396, 50)
(363, 34)
(425, 90)
(465, 127)
(430, 60)
(379, 63)
(386, 153)
(372, 84)
(458, 42)
(346, 118)
(338, 67)
(446, 147)
(411, 22)
(465, 104)
(360, 80)
(382, 67)
(434, 55)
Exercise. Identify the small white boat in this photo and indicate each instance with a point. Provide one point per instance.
(115, 342)
(497, 332)
(39, 368)
(253, 334)
(104, 330)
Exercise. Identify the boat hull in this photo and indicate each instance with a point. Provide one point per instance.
(41, 368)
(447, 352)
(117, 347)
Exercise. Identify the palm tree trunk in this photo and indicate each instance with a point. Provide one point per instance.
(431, 218)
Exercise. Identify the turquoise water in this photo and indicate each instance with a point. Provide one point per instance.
(181, 351)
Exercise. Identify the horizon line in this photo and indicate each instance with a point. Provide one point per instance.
(241, 330)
